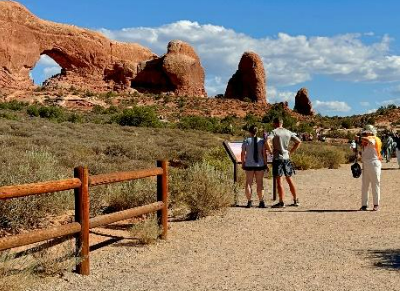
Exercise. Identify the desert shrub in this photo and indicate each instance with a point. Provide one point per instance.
(89, 93)
(340, 134)
(111, 110)
(97, 109)
(370, 120)
(131, 194)
(75, 118)
(27, 167)
(33, 110)
(8, 116)
(385, 109)
(146, 231)
(251, 119)
(13, 105)
(50, 112)
(316, 156)
(40, 150)
(138, 116)
(304, 161)
(304, 127)
(200, 190)
(347, 123)
(278, 111)
(199, 123)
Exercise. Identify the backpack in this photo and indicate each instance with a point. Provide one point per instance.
(356, 170)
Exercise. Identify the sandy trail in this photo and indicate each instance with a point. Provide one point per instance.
(322, 245)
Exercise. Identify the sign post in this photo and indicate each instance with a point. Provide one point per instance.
(234, 150)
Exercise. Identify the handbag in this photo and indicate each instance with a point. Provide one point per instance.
(356, 170)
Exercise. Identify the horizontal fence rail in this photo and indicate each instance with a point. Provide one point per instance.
(125, 214)
(123, 176)
(80, 228)
(38, 236)
(8, 192)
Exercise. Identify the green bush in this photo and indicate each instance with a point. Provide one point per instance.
(138, 116)
(199, 123)
(278, 111)
(13, 105)
(8, 116)
(50, 112)
(317, 156)
(75, 118)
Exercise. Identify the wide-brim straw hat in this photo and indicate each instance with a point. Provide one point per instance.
(369, 129)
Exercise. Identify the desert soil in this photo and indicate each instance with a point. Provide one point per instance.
(325, 244)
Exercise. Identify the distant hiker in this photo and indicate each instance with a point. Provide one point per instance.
(388, 147)
(396, 140)
(254, 162)
(281, 164)
(371, 147)
(353, 146)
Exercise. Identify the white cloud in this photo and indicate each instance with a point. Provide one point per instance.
(44, 69)
(331, 106)
(364, 103)
(46, 61)
(289, 60)
(274, 96)
(389, 101)
(51, 71)
(372, 110)
(215, 85)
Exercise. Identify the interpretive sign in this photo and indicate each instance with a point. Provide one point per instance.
(234, 150)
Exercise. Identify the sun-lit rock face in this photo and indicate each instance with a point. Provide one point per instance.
(87, 58)
(178, 71)
(303, 103)
(249, 80)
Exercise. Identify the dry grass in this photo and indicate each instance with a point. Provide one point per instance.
(20, 270)
(319, 155)
(201, 190)
(35, 149)
(42, 150)
(146, 231)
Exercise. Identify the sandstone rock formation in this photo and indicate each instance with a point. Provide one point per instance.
(302, 103)
(249, 80)
(88, 59)
(178, 71)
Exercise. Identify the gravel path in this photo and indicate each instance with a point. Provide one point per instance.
(322, 245)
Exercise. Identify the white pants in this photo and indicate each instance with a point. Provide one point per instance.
(371, 175)
(398, 156)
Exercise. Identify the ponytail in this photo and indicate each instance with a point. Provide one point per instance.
(255, 152)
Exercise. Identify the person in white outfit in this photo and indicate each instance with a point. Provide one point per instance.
(371, 158)
(396, 139)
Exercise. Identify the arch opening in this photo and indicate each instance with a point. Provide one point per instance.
(44, 69)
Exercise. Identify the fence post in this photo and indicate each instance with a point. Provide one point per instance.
(162, 195)
(82, 216)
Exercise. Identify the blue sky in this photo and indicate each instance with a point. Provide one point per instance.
(347, 53)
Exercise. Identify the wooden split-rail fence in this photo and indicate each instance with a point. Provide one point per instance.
(83, 223)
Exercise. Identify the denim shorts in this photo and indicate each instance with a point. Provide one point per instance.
(282, 168)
